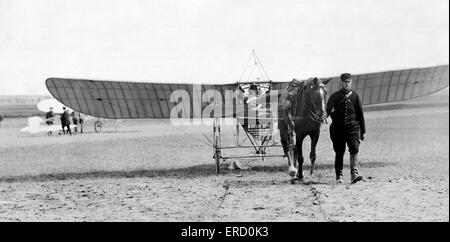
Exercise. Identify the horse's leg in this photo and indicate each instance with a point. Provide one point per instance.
(284, 137)
(286, 142)
(291, 155)
(300, 159)
(312, 155)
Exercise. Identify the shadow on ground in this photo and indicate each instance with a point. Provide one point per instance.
(187, 172)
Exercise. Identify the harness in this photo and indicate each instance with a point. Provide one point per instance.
(344, 99)
(347, 97)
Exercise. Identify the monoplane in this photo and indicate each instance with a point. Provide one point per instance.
(252, 104)
(37, 124)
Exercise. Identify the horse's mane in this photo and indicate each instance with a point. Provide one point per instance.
(303, 85)
(292, 103)
(285, 100)
(308, 82)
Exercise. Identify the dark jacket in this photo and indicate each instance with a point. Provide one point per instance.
(346, 110)
(65, 119)
(49, 114)
(75, 115)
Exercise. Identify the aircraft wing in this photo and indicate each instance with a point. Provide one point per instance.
(129, 100)
(398, 85)
(45, 105)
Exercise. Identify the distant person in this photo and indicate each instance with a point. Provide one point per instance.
(1, 119)
(50, 119)
(81, 122)
(65, 121)
(253, 98)
(252, 94)
(77, 121)
(347, 128)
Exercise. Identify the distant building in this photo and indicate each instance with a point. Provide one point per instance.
(20, 105)
(21, 99)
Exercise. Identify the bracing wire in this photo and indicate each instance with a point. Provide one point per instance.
(246, 66)
(250, 75)
(198, 139)
(259, 61)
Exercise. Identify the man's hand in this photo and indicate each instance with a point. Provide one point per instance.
(362, 136)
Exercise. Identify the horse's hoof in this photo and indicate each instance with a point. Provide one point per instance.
(292, 172)
(293, 180)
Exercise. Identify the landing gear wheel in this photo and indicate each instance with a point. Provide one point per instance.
(98, 126)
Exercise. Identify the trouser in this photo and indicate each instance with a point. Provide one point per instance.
(81, 125)
(68, 129)
(339, 164)
(342, 136)
(75, 123)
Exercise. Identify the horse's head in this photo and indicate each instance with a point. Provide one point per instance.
(314, 98)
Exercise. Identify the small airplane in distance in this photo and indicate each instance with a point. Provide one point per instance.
(35, 125)
(45, 105)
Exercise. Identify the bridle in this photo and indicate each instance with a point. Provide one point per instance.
(310, 111)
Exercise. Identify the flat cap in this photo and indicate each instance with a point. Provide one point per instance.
(345, 77)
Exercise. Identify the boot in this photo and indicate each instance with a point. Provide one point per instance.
(354, 168)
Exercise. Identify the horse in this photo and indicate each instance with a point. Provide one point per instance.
(301, 109)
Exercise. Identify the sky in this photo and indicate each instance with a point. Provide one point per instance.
(209, 41)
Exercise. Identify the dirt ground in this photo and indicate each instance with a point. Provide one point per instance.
(152, 171)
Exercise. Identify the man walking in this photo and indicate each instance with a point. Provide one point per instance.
(75, 119)
(49, 119)
(65, 121)
(81, 121)
(347, 128)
